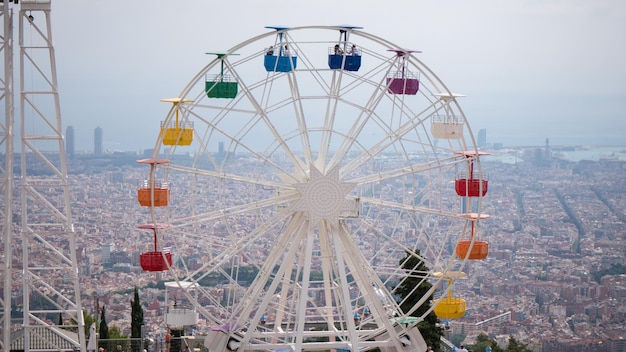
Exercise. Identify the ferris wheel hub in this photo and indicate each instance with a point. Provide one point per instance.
(323, 197)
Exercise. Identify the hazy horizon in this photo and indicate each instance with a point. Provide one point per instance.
(530, 70)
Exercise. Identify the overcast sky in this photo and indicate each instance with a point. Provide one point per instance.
(531, 70)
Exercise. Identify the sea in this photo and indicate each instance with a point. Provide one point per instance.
(569, 153)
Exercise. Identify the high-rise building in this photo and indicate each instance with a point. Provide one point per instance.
(69, 141)
(482, 137)
(105, 250)
(97, 141)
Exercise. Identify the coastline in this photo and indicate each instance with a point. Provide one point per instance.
(566, 153)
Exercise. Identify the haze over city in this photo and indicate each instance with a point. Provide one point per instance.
(279, 220)
(530, 70)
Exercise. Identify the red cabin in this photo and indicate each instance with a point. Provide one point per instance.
(155, 260)
(470, 187)
(466, 185)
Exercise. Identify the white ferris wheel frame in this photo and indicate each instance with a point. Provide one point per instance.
(300, 211)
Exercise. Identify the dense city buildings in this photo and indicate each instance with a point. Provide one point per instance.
(557, 243)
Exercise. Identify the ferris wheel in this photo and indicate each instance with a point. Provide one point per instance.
(294, 177)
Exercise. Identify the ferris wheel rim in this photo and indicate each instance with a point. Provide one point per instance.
(305, 167)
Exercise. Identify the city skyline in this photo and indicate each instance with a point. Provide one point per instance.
(555, 79)
(482, 142)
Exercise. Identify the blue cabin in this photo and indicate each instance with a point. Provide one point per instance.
(281, 58)
(349, 60)
(280, 62)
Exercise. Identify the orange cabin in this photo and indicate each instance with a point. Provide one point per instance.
(155, 261)
(465, 249)
(161, 189)
(479, 251)
(161, 194)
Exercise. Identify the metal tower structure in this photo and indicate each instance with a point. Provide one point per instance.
(40, 304)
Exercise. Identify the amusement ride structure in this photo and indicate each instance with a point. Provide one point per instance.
(292, 178)
(40, 305)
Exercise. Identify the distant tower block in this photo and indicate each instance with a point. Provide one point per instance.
(97, 141)
(482, 138)
(69, 141)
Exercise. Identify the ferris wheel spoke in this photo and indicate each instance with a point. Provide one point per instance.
(441, 164)
(263, 116)
(230, 211)
(409, 207)
(236, 247)
(335, 91)
(231, 176)
(392, 136)
(296, 101)
(329, 120)
(287, 247)
(367, 281)
(390, 242)
(236, 140)
(365, 116)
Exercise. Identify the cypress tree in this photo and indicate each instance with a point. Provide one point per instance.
(409, 295)
(103, 329)
(136, 316)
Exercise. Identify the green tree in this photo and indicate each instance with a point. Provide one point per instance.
(410, 291)
(516, 346)
(103, 329)
(482, 341)
(117, 338)
(136, 322)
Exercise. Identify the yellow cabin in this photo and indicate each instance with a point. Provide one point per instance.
(450, 308)
(176, 132)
